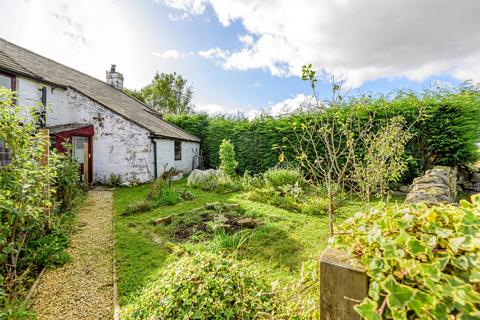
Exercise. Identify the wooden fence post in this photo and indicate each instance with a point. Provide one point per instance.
(85, 167)
(43, 161)
(44, 133)
(343, 284)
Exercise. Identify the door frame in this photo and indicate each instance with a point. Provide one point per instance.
(66, 137)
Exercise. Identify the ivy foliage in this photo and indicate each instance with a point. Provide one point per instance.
(204, 286)
(423, 263)
(445, 135)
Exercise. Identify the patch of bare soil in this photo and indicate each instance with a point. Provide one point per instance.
(83, 288)
(229, 217)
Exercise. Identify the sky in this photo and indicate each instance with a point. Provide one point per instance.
(247, 55)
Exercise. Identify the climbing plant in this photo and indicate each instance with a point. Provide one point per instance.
(423, 263)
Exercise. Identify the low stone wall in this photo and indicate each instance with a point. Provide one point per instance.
(343, 284)
(468, 179)
(438, 185)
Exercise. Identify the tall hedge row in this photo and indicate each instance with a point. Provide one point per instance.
(445, 134)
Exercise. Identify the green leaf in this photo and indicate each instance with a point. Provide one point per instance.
(415, 247)
(398, 294)
(367, 310)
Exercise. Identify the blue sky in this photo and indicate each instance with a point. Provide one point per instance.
(247, 55)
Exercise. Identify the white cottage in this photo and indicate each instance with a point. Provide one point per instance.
(125, 137)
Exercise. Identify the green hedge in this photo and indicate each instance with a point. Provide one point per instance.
(445, 135)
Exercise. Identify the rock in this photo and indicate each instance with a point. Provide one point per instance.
(246, 223)
(163, 220)
(404, 188)
(198, 177)
(438, 185)
(459, 188)
(212, 205)
(475, 178)
(476, 187)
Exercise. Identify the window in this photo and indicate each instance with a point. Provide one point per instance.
(5, 155)
(178, 150)
(7, 81)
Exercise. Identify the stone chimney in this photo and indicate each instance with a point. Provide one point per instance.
(114, 78)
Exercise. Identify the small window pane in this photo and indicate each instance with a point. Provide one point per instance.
(178, 150)
(5, 81)
(78, 148)
(5, 155)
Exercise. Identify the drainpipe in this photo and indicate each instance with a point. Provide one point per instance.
(155, 169)
(42, 114)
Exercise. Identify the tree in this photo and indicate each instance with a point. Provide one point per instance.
(383, 161)
(137, 94)
(325, 144)
(169, 93)
(228, 164)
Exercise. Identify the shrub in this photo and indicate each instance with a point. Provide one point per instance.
(422, 262)
(168, 197)
(138, 207)
(49, 251)
(221, 184)
(277, 178)
(204, 286)
(186, 195)
(161, 194)
(114, 180)
(67, 182)
(228, 164)
(446, 135)
(250, 182)
(315, 206)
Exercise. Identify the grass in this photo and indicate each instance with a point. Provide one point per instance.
(278, 246)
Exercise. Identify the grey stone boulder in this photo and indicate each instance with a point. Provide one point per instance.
(197, 177)
(438, 185)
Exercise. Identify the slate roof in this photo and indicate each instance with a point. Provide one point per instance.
(24, 62)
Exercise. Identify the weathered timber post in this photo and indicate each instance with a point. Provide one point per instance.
(44, 133)
(43, 161)
(85, 167)
(343, 284)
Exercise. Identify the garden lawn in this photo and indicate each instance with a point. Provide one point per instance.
(278, 246)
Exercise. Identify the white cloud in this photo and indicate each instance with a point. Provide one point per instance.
(88, 40)
(213, 109)
(287, 106)
(357, 41)
(290, 105)
(214, 53)
(246, 39)
(190, 6)
(168, 54)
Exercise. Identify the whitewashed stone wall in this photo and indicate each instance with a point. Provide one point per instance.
(166, 155)
(119, 146)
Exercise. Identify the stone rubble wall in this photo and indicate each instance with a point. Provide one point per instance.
(438, 185)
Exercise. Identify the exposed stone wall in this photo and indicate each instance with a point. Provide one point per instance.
(468, 179)
(438, 185)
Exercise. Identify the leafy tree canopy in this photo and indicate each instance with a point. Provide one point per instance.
(169, 93)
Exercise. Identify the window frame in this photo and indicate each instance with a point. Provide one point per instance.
(177, 143)
(13, 79)
(5, 154)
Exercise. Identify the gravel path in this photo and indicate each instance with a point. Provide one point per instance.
(83, 288)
